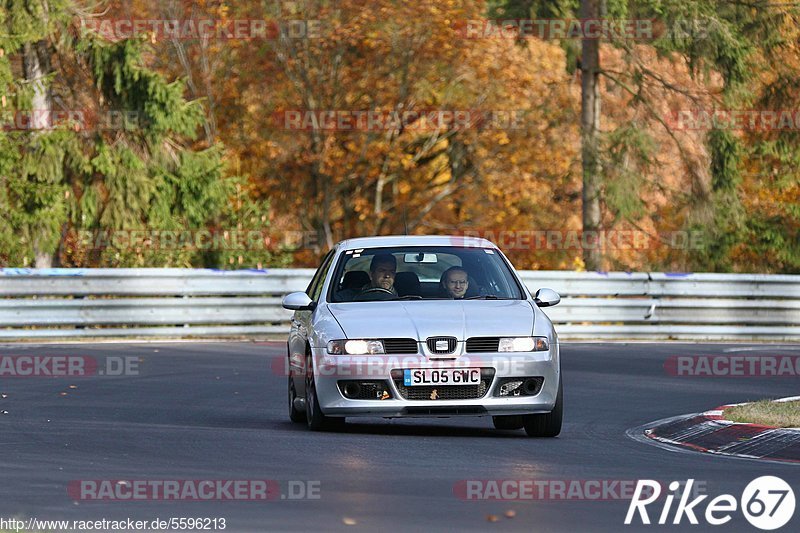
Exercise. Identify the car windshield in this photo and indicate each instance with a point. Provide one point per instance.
(422, 273)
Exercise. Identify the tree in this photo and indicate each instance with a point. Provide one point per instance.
(107, 147)
(590, 133)
(715, 42)
(770, 169)
(426, 174)
(570, 164)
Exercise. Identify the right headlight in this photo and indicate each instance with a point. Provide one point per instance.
(355, 347)
(523, 344)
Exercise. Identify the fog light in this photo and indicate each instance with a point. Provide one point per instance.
(519, 386)
(510, 388)
(531, 386)
(365, 389)
(352, 389)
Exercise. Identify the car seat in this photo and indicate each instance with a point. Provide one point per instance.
(407, 283)
(355, 279)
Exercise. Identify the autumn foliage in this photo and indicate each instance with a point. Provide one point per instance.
(488, 140)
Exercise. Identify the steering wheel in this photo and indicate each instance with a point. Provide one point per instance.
(374, 293)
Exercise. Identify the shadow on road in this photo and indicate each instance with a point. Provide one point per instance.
(407, 428)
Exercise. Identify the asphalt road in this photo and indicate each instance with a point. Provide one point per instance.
(217, 411)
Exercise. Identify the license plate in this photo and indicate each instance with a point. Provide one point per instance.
(413, 377)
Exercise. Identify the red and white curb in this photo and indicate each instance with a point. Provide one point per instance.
(710, 432)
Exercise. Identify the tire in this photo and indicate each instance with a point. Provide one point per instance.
(294, 415)
(316, 420)
(507, 422)
(547, 424)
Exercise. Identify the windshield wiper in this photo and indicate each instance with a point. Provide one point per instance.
(408, 297)
(487, 297)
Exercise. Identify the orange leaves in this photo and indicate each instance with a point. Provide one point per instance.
(514, 170)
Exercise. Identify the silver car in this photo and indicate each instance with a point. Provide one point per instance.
(413, 326)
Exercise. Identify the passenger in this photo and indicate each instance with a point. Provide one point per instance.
(454, 283)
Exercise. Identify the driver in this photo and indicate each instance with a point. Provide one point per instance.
(382, 271)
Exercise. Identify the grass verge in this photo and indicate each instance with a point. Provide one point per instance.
(767, 413)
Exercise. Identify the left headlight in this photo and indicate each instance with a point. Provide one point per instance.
(523, 344)
(355, 347)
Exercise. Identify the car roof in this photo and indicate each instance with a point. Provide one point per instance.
(415, 240)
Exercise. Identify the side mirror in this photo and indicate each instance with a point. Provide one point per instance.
(298, 301)
(546, 298)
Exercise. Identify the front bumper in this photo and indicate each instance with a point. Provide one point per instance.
(328, 370)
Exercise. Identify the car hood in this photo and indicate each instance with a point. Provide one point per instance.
(422, 319)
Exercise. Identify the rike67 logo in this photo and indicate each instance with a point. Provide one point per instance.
(767, 503)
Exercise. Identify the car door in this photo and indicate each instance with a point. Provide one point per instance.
(301, 327)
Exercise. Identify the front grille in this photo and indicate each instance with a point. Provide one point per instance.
(447, 392)
(433, 341)
(400, 346)
(443, 392)
(483, 344)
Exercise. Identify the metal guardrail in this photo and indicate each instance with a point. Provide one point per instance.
(92, 303)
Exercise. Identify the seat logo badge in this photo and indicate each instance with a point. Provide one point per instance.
(441, 346)
(434, 394)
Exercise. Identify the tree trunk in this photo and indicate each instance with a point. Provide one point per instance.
(460, 166)
(590, 132)
(36, 65)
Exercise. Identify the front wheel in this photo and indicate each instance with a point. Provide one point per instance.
(547, 424)
(317, 421)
